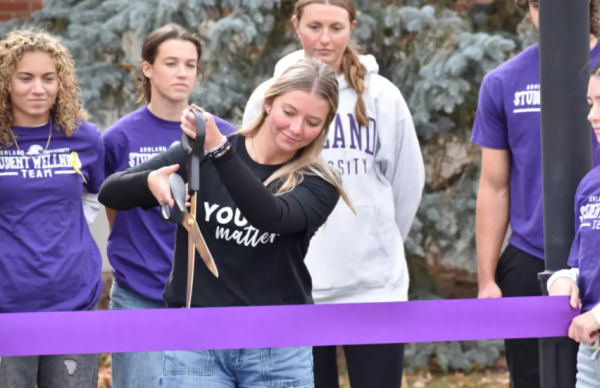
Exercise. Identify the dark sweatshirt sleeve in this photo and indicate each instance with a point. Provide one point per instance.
(303, 209)
(128, 189)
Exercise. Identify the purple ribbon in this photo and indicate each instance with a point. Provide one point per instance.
(24, 334)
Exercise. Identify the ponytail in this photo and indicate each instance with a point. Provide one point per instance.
(355, 72)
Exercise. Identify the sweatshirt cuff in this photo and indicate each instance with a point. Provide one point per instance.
(572, 274)
(596, 313)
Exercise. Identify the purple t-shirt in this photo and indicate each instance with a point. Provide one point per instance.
(508, 118)
(140, 245)
(49, 259)
(586, 245)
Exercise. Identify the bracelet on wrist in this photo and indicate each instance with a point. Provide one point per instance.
(223, 152)
(219, 150)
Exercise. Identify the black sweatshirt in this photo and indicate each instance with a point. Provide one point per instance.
(258, 240)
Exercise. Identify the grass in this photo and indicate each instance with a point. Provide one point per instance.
(497, 378)
(487, 379)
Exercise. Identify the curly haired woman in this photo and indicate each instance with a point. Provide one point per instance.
(51, 160)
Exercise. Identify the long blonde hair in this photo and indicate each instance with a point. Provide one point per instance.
(68, 108)
(354, 71)
(312, 76)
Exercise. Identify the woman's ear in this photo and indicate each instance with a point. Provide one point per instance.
(147, 69)
(268, 105)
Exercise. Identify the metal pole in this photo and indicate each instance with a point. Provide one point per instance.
(566, 153)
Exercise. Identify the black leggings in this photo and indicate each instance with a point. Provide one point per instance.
(369, 366)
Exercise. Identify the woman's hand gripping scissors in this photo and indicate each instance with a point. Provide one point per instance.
(195, 151)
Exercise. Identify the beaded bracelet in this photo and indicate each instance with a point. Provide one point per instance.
(225, 149)
(218, 151)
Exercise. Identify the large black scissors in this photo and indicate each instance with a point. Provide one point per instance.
(194, 150)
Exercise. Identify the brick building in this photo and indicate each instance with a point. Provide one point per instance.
(10, 9)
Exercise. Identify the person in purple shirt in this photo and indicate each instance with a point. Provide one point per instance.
(582, 280)
(507, 127)
(140, 244)
(50, 167)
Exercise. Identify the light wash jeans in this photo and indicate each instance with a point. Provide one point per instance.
(243, 368)
(134, 370)
(588, 370)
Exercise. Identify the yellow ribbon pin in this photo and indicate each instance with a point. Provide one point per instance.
(76, 163)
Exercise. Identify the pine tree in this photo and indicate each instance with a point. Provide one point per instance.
(105, 36)
(436, 56)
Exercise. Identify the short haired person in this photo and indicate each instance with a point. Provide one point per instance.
(507, 128)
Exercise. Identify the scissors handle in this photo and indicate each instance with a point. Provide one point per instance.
(195, 151)
(177, 186)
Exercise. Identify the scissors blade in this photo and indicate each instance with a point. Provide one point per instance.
(198, 240)
(190, 273)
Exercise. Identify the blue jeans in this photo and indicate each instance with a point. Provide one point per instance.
(588, 369)
(243, 368)
(132, 370)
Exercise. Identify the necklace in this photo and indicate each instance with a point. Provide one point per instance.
(253, 150)
(37, 156)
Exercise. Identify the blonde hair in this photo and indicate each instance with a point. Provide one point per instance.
(312, 76)
(354, 71)
(67, 108)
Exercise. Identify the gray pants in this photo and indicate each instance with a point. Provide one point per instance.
(65, 371)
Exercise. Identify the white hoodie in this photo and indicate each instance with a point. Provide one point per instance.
(360, 258)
